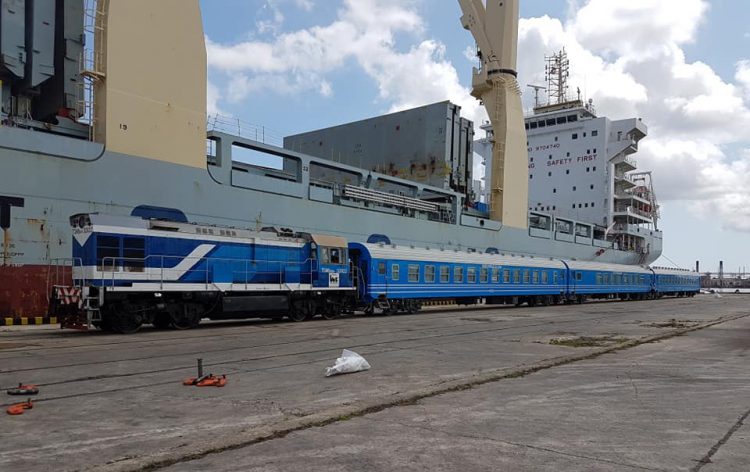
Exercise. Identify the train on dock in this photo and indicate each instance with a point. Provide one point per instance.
(160, 269)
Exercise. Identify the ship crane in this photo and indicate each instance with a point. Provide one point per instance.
(495, 29)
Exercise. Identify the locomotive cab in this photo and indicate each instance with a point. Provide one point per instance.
(330, 256)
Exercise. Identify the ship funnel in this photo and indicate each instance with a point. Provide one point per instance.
(495, 29)
(150, 79)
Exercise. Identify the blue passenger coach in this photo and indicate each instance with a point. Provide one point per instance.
(395, 276)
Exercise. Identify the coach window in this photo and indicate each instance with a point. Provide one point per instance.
(545, 277)
(554, 277)
(506, 276)
(413, 273)
(526, 276)
(472, 275)
(395, 272)
(484, 275)
(134, 254)
(598, 278)
(536, 277)
(458, 275)
(495, 275)
(516, 277)
(381, 268)
(429, 274)
(579, 276)
(445, 274)
(107, 253)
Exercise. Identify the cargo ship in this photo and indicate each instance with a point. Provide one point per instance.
(97, 117)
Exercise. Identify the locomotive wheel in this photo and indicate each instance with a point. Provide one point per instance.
(162, 321)
(301, 310)
(123, 319)
(103, 325)
(330, 311)
(187, 316)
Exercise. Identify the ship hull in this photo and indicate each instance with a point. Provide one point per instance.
(48, 178)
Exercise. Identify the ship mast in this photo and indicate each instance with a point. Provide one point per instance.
(495, 29)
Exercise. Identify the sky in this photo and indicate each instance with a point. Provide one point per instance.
(683, 66)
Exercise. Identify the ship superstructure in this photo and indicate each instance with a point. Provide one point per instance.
(583, 177)
(133, 142)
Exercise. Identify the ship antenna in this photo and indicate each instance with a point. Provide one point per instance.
(537, 89)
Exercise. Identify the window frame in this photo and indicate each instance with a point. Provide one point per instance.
(427, 270)
(395, 271)
(413, 273)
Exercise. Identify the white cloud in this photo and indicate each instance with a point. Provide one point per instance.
(364, 32)
(636, 67)
(213, 97)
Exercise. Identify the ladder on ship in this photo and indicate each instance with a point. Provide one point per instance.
(91, 64)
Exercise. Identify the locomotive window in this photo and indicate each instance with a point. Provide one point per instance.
(516, 277)
(325, 257)
(381, 268)
(445, 274)
(506, 276)
(526, 276)
(484, 275)
(413, 273)
(335, 255)
(394, 272)
(545, 277)
(107, 252)
(429, 274)
(458, 275)
(134, 254)
(472, 275)
(536, 277)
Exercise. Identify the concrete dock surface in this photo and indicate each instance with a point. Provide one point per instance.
(659, 385)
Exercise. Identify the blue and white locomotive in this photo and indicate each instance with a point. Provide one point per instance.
(136, 271)
(164, 271)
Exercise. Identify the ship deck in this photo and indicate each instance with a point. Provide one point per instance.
(602, 386)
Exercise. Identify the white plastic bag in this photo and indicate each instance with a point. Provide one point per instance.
(348, 363)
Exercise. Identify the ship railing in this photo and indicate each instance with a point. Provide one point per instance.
(235, 126)
(166, 269)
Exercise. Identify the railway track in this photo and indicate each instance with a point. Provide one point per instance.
(431, 337)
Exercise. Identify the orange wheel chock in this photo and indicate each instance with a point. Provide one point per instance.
(20, 408)
(206, 381)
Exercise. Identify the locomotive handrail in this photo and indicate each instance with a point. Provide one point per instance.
(63, 263)
(114, 264)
